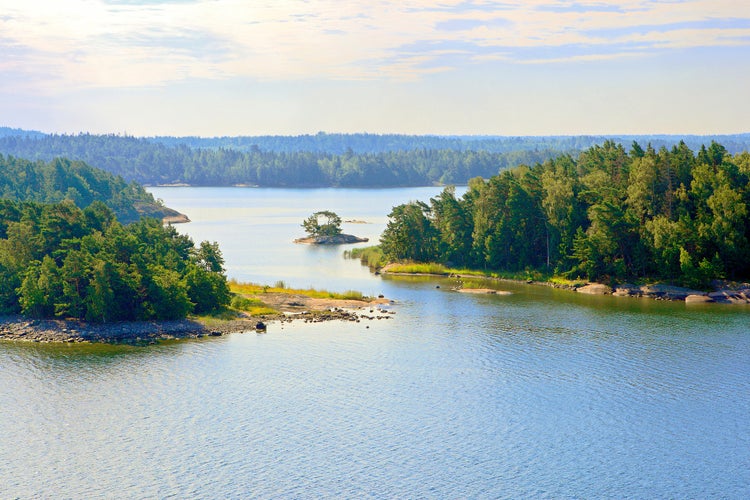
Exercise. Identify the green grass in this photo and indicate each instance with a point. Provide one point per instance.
(350, 295)
(255, 289)
(441, 270)
(371, 257)
(251, 305)
(419, 268)
(559, 280)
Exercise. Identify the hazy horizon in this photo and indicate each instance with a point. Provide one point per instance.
(356, 133)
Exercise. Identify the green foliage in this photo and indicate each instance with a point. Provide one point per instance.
(330, 225)
(74, 182)
(409, 234)
(419, 268)
(321, 160)
(345, 160)
(244, 303)
(207, 290)
(606, 215)
(57, 260)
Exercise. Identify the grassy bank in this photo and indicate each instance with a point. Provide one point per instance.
(261, 300)
(280, 287)
(373, 258)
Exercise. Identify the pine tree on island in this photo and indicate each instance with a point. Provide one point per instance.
(324, 228)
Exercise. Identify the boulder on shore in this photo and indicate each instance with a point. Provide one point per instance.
(698, 299)
(668, 292)
(337, 239)
(595, 289)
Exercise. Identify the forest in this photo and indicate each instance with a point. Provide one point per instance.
(153, 163)
(61, 179)
(57, 260)
(607, 215)
(320, 160)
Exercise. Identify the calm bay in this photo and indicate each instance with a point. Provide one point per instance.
(541, 393)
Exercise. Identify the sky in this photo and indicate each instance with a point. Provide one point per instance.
(247, 67)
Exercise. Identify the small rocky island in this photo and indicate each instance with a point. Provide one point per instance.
(336, 239)
(324, 228)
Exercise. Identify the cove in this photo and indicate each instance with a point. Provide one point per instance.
(540, 393)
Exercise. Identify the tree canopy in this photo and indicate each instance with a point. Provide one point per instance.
(607, 214)
(61, 179)
(57, 260)
(337, 160)
(330, 225)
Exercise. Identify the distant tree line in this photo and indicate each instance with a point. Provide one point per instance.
(608, 214)
(61, 179)
(57, 260)
(321, 160)
(149, 162)
(381, 143)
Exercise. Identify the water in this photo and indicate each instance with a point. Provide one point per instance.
(256, 228)
(542, 393)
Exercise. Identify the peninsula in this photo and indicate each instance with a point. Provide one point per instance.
(252, 305)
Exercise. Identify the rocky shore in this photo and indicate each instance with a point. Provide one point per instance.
(52, 330)
(724, 293)
(20, 328)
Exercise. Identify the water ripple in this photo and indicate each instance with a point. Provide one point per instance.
(490, 398)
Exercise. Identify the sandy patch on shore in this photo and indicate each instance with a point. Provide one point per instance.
(291, 303)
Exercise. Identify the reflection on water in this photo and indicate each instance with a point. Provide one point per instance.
(542, 393)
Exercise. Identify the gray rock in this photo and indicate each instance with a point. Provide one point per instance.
(698, 299)
(595, 289)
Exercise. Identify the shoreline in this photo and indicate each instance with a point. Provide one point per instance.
(24, 329)
(739, 294)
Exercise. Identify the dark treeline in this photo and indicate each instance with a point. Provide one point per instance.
(148, 162)
(608, 214)
(57, 260)
(339, 160)
(61, 179)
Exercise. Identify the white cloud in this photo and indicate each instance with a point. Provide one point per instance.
(91, 43)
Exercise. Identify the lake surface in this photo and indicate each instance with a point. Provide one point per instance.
(542, 393)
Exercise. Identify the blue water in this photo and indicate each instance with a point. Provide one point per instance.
(542, 393)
